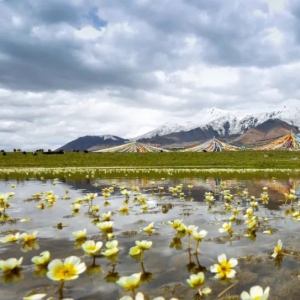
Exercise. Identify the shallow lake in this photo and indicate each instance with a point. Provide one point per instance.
(170, 261)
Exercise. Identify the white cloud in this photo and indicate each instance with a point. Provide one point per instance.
(276, 5)
(75, 68)
(89, 33)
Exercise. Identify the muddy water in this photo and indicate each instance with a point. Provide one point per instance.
(169, 262)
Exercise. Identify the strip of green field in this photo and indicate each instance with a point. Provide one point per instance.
(239, 160)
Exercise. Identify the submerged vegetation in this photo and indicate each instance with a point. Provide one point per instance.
(236, 159)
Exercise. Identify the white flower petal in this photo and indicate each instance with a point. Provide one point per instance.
(74, 260)
(231, 273)
(214, 268)
(222, 258)
(233, 262)
(246, 296)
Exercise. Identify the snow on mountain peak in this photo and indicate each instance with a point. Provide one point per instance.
(235, 121)
(108, 137)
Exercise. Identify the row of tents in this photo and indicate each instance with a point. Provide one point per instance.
(287, 142)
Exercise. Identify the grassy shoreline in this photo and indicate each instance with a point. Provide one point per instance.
(214, 160)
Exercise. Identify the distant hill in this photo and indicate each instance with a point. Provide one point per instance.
(252, 133)
(92, 143)
(265, 132)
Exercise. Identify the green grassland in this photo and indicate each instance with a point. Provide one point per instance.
(218, 160)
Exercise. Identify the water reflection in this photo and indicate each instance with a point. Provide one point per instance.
(165, 200)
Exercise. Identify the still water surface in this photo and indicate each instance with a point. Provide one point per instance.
(169, 262)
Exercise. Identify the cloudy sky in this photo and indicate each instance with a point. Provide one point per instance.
(79, 67)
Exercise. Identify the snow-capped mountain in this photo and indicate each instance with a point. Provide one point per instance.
(166, 129)
(212, 122)
(226, 122)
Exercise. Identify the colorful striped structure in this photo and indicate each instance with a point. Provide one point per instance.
(287, 142)
(134, 147)
(213, 145)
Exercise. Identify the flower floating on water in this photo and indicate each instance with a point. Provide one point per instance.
(95, 208)
(124, 209)
(106, 216)
(254, 204)
(111, 249)
(67, 270)
(10, 238)
(140, 247)
(135, 188)
(75, 207)
(138, 296)
(41, 206)
(226, 227)
(35, 297)
(256, 293)
(25, 220)
(106, 194)
(10, 264)
(130, 283)
(252, 222)
(149, 228)
(177, 225)
(245, 193)
(92, 196)
(209, 197)
(249, 213)
(277, 250)
(105, 226)
(198, 237)
(223, 184)
(267, 231)
(290, 196)
(91, 248)
(80, 234)
(28, 237)
(42, 260)
(225, 268)
(31, 244)
(196, 281)
(143, 200)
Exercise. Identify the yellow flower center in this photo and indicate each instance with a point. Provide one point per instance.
(224, 268)
(66, 272)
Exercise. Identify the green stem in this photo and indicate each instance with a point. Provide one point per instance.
(143, 268)
(197, 245)
(190, 255)
(197, 259)
(60, 289)
(133, 293)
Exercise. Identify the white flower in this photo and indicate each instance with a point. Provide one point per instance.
(225, 268)
(80, 234)
(35, 297)
(256, 293)
(10, 264)
(277, 249)
(91, 248)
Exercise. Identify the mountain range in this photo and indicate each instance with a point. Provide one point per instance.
(236, 126)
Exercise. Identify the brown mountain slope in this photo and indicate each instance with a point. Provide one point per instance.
(266, 132)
